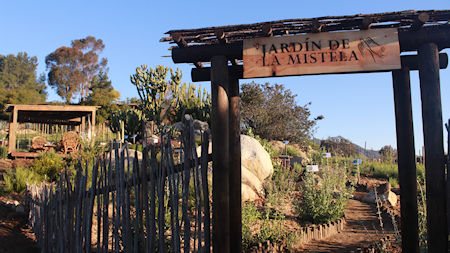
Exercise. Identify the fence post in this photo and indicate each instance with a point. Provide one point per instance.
(220, 145)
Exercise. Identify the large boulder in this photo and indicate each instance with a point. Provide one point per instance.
(256, 166)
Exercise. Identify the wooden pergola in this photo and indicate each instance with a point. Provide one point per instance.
(74, 115)
(225, 49)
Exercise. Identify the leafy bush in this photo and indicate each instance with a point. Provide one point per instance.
(3, 152)
(266, 225)
(48, 166)
(16, 180)
(324, 198)
(280, 185)
(250, 215)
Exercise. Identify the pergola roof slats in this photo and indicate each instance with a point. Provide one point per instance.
(404, 20)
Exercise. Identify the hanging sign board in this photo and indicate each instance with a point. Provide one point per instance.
(320, 53)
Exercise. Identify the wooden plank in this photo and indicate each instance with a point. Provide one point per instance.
(220, 145)
(338, 52)
(434, 147)
(406, 160)
(12, 132)
(407, 61)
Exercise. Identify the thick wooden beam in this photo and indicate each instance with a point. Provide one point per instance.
(203, 53)
(408, 61)
(406, 160)
(220, 145)
(12, 131)
(434, 148)
(235, 166)
(409, 41)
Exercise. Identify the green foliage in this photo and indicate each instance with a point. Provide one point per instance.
(48, 166)
(387, 154)
(16, 180)
(324, 197)
(393, 181)
(250, 215)
(3, 152)
(165, 99)
(72, 69)
(103, 94)
(18, 81)
(280, 185)
(130, 118)
(191, 100)
(154, 89)
(272, 113)
(292, 151)
(262, 226)
(422, 213)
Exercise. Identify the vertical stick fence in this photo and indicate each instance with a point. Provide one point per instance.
(117, 203)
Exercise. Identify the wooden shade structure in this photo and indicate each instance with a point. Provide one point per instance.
(424, 32)
(75, 115)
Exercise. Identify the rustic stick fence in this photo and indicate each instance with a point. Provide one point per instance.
(123, 204)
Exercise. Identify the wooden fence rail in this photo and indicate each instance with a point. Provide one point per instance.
(107, 207)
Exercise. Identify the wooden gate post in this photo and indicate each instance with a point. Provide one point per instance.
(12, 131)
(235, 167)
(220, 145)
(406, 160)
(434, 147)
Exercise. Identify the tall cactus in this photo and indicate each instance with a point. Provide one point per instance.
(153, 90)
(192, 100)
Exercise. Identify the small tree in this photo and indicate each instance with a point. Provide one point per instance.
(18, 81)
(103, 94)
(272, 113)
(72, 69)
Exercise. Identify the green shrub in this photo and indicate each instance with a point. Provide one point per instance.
(16, 180)
(267, 225)
(324, 198)
(280, 185)
(48, 166)
(250, 215)
(292, 151)
(393, 181)
(3, 152)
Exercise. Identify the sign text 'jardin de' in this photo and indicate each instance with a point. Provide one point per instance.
(330, 52)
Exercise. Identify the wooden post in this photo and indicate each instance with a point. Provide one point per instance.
(220, 145)
(83, 124)
(434, 147)
(235, 167)
(406, 160)
(93, 125)
(12, 131)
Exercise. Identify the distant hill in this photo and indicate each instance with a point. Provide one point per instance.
(368, 153)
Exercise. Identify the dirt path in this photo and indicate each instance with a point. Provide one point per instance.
(362, 230)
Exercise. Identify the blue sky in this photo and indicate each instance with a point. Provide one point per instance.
(357, 106)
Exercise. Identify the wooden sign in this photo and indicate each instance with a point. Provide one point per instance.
(330, 52)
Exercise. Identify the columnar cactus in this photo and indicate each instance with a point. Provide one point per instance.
(153, 89)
